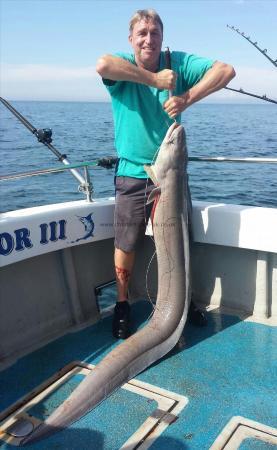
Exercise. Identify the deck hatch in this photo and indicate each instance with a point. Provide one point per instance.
(239, 431)
(22, 417)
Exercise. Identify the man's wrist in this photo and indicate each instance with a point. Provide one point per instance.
(187, 99)
(152, 78)
(146, 77)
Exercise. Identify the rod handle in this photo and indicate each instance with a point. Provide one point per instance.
(168, 65)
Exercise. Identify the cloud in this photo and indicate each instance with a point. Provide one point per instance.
(52, 82)
(43, 72)
(251, 79)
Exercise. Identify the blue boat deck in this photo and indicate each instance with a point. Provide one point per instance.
(225, 369)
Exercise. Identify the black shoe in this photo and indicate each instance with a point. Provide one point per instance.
(121, 320)
(196, 317)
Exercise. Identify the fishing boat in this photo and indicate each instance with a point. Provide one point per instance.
(215, 390)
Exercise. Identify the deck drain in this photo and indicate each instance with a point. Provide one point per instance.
(16, 421)
(239, 429)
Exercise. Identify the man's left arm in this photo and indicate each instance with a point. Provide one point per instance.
(217, 77)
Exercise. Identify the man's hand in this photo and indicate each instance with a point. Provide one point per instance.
(174, 106)
(118, 69)
(214, 79)
(165, 79)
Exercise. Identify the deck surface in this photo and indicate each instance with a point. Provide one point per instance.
(226, 369)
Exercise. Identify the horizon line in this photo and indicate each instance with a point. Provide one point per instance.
(109, 102)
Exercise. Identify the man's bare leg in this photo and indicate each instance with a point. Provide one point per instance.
(124, 263)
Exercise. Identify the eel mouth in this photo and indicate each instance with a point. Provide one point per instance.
(171, 130)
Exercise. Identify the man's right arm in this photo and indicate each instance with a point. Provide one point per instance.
(118, 69)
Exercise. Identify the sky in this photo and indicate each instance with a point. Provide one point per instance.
(49, 48)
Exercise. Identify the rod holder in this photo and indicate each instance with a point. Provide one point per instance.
(86, 187)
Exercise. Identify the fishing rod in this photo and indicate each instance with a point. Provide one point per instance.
(168, 65)
(44, 136)
(242, 91)
(167, 55)
(263, 52)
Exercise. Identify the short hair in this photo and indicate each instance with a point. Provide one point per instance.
(145, 14)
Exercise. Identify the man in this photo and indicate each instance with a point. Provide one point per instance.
(138, 84)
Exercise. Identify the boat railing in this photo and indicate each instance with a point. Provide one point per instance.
(86, 186)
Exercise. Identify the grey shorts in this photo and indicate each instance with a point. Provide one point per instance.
(131, 212)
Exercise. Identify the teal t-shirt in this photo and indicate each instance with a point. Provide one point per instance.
(140, 121)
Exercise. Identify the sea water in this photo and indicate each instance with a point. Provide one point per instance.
(84, 132)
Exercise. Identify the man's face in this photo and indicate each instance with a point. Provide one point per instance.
(146, 40)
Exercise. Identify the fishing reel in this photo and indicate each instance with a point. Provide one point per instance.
(108, 162)
(44, 135)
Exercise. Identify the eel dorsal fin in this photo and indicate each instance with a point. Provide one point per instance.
(151, 173)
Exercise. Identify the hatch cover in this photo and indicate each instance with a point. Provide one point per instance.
(245, 434)
(151, 409)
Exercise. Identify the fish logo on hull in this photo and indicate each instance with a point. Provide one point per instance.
(88, 223)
